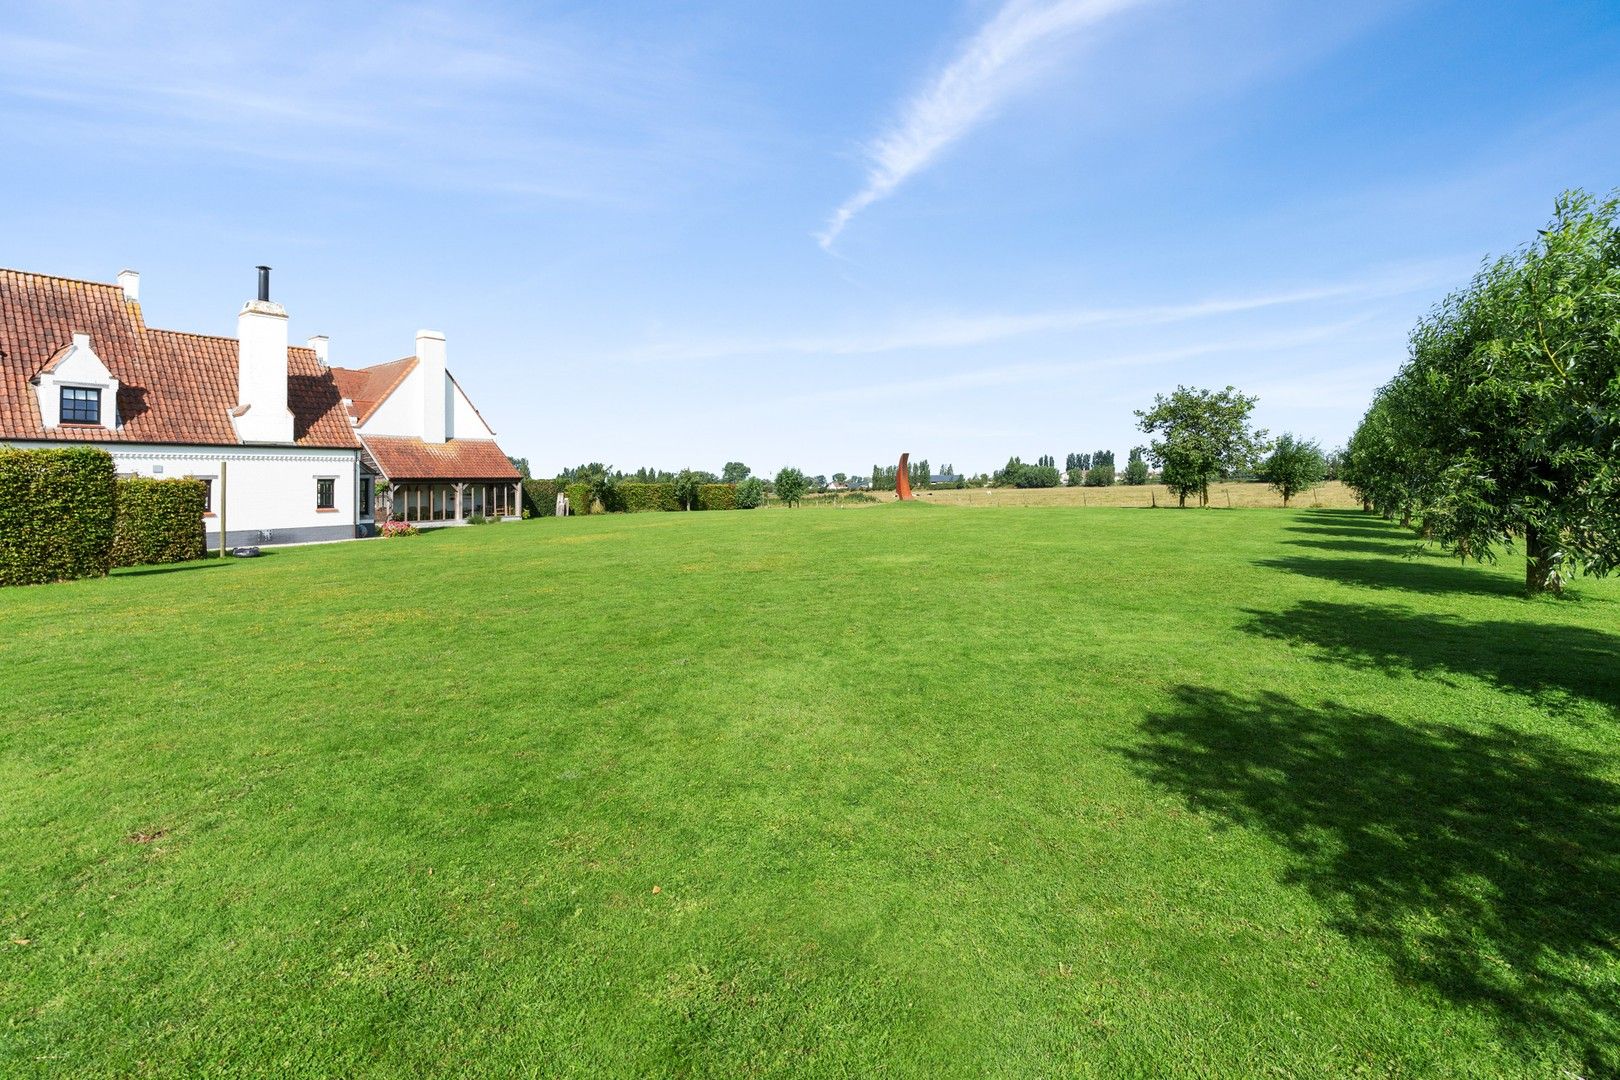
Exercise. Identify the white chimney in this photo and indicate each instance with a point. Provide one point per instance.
(435, 385)
(130, 282)
(319, 343)
(261, 414)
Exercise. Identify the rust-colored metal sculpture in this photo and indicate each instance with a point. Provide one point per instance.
(902, 481)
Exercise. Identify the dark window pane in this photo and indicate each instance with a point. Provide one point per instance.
(81, 406)
(325, 494)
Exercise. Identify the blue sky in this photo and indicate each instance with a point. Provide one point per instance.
(818, 233)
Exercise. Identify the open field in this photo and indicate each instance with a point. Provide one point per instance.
(1138, 794)
(1333, 495)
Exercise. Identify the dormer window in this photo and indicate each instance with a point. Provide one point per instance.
(75, 389)
(81, 405)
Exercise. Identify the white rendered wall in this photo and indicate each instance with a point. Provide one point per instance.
(267, 489)
(465, 422)
(401, 412)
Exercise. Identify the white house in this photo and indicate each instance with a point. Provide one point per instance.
(265, 424)
(431, 454)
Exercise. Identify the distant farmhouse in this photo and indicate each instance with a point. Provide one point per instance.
(944, 478)
(289, 449)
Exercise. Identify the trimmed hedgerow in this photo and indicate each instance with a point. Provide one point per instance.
(540, 497)
(717, 497)
(159, 521)
(638, 497)
(579, 498)
(57, 510)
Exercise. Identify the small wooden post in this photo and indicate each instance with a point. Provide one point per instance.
(223, 502)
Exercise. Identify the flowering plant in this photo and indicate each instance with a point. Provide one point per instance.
(398, 528)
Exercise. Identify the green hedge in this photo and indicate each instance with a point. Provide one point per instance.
(717, 497)
(640, 498)
(579, 498)
(159, 521)
(540, 497)
(57, 509)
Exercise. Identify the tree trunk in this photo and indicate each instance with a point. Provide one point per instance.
(1183, 505)
(1285, 500)
(1366, 506)
(1540, 575)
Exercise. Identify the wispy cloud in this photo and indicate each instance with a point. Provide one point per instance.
(956, 331)
(1249, 345)
(1003, 57)
(426, 93)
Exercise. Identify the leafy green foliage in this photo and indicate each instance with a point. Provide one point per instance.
(1505, 421)
(639, 498)
(580, 498)
(158, 521)
(1204, 435)
(1018, 474)
(1293, 466)
(57, 514)
(735, 472)
(791, 485)
(1100, 475)
(750, 493)
(686, 489)
(717, 497)
(1136, 469)
(540, 497)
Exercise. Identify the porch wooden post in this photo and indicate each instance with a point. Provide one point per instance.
(459, 487)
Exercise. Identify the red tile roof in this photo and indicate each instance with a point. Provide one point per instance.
(367, 388)
(174, 387)
(403, 459)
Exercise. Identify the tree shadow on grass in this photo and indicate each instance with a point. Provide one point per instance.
(169, 568)
(1556, 666)
(1485, 865)
(1394, 572)
(1393, 545)
(1391, 533)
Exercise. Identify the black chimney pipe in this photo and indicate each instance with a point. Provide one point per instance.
(264, 282)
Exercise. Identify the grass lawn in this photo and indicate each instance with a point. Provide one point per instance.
(915, 790)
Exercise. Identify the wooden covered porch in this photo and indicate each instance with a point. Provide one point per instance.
(449, 502)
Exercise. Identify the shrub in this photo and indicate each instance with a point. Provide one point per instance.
(1136, 472)
(540, 497)
(859, 497)
(750, 493)
(477, 519)
(637, 498)
(397, 528)
(1100, 476)
(159, 521)
(57, 514)
(579, 498)
(717, 497)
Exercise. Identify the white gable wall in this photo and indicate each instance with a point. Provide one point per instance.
(402, 412)
(465, 423)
